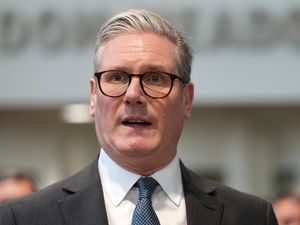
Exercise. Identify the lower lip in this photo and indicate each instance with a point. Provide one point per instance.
(137, 126)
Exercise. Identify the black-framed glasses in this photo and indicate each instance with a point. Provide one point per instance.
(155, 84)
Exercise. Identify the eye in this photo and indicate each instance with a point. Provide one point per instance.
(116, 77)
(153, 78)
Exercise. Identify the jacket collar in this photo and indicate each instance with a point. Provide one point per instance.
(202, 205)
(83, 201)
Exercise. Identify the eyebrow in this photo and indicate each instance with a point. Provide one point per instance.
(144, 68)
(158, 68)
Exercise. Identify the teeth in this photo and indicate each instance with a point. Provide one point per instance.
(136, 121)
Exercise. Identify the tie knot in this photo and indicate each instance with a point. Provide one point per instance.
(146, 186)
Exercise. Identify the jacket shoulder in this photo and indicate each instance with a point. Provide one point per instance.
(237, 207)
(223, 192)
(45, 202)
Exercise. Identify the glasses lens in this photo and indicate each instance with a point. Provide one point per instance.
(114, 83)
(157, 84)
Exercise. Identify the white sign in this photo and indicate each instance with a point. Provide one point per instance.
(244, 53)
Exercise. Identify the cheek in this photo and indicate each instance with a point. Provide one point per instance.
(173, 116)
(105, 112)
(104, 118)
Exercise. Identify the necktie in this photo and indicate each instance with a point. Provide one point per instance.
(144, 213)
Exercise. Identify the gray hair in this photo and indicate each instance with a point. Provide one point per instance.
(146, 21)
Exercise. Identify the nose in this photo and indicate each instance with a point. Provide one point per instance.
(134, 93)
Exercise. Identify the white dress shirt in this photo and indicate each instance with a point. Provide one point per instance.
(120, 196)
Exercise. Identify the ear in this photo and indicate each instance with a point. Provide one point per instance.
(188, 99)
(93, 96)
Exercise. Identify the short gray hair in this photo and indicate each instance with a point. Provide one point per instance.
(141, 20)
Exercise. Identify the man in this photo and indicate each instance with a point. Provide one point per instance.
(15, 185)
(287, 209)
(140, 96)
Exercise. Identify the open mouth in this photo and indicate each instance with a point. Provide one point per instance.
(136, 123)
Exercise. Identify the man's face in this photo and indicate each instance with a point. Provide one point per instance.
(138, 132)
(288, 211)
(12, 189)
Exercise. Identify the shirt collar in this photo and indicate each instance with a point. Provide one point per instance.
(116, 188)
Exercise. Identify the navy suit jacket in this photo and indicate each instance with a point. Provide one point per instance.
(78, 200)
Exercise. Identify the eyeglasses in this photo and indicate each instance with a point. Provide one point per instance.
(155, 84)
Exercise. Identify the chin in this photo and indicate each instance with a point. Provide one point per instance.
(137, 149)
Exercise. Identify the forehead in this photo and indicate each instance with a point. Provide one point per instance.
(138, 51)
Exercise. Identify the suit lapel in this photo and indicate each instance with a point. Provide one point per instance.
(202, 207)
(83, 201)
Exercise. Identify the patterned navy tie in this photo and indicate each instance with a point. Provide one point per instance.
(144, 213)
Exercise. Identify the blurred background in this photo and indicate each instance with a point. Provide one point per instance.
(245, 126)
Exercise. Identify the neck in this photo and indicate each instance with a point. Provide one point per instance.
(145, 166)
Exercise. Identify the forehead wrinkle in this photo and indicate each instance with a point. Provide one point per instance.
(140, 49)
(141, 45)
(158, 65)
